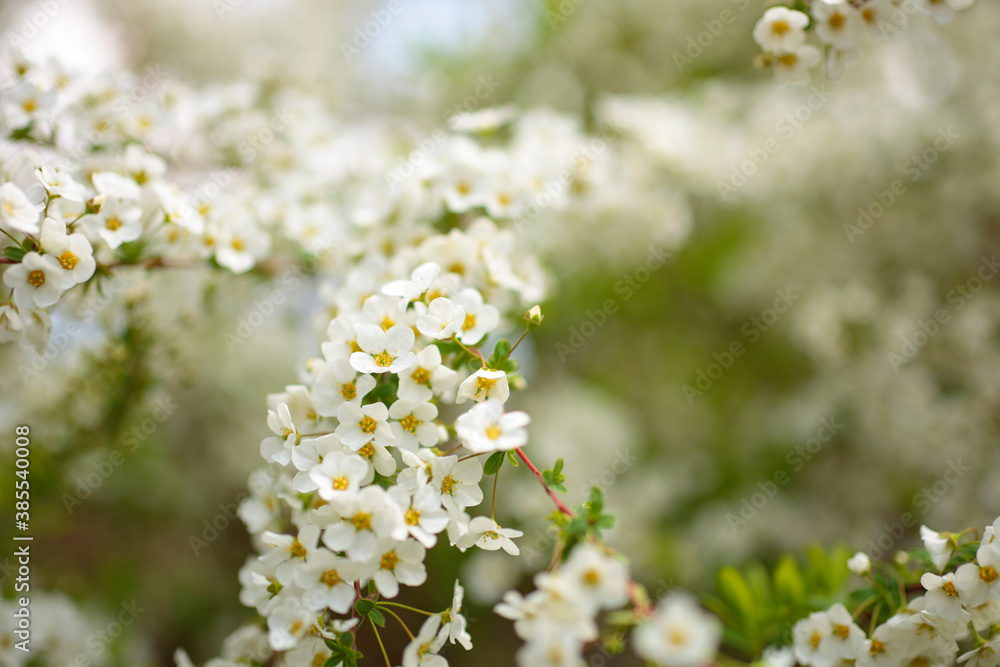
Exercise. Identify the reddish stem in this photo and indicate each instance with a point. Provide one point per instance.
(538, 474)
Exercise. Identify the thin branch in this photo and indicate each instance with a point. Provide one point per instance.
(532, 468)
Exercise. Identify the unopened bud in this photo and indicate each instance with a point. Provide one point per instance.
(534, 316)
(95, 204)
(860, 564)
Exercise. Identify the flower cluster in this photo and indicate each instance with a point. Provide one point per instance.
(364, 474)
(961, 602)
(558, 619)
(87, 185)
(54, 631)
(840, 26)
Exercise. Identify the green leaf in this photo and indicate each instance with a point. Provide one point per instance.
(14, 252)
(377, 618)
(509, 366)
(736, 591)
(493, 463)
(512, 458)
(788, 581)
(333, 661)
(364, 606)
(558, 466)
(596, 503)
(500, 352)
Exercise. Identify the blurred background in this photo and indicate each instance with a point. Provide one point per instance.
(783, 329)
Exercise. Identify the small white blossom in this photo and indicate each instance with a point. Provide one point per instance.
(384, 351)
(679, 634)
(781, 30)
(38, 281)
(487, 428)
(484, 384)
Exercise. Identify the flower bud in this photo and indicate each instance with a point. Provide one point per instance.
(96, 203)
(860, 564)
(534, 316)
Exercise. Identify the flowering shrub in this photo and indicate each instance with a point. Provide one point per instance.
(430, 260)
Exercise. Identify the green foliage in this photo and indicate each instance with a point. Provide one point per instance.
(366, 609)
(759, 607)
(554, 477)
(15, 253)
(343, 652)
(494, 463)
(589, 521)
(500, 359)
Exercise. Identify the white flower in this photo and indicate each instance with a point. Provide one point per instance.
(551, 649)
(59, 184)
(989, 549)
(238, 248)
(458, 483)
(976, 584)
(415, 426)
(483, 385)
(942, 596)
(837, 23)
(360, 425)
(11, 326)
(422, 651)
(679, 634)
(115, 186)
(486, 428)
(328, 582)
(420, 280)
(142, 166)
(454, 627)
(364, 517)
(778, 656)
(38, 281)
(17, 212)
(938, 545)
(794, 66)
(487, 534)
(286, 551)
(279, 449)
(807, 635)
(875, 14)
(287, 623)
(23, 103)
(339, 473)
(73, 251)
(891, 641)
(337, 384)
(987, 655)
(781, 30)
(600, 579)
(845, 641)
(422, 513)
(117, 223)
(441, 320)
(426, 376)
(397, 563)
(380, 458)
(384, 351)
(860, 564)
(480, 318)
